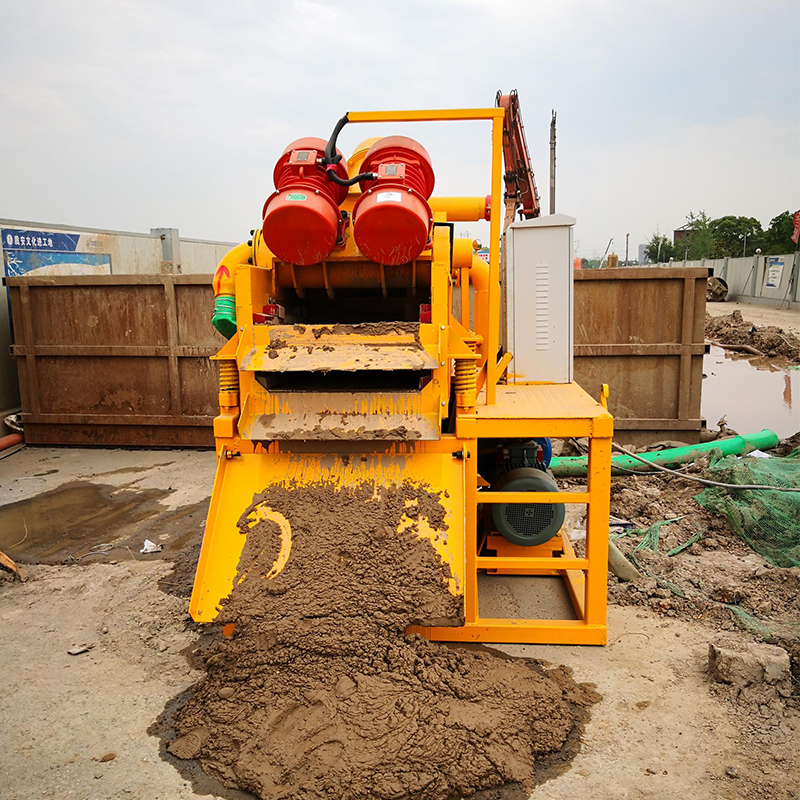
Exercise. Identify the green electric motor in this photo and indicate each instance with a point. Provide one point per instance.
(527, 524)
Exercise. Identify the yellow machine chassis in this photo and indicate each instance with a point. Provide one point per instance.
(500, 411)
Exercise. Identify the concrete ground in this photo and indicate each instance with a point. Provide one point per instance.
(659, 732)
(786, 318)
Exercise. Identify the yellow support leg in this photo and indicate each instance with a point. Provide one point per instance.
(597, 513)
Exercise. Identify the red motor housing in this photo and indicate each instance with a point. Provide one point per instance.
(392, 219)
(302, 222)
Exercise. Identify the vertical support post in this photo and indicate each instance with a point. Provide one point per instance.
(471, 530)
(493, 342)
(687, 326)
(175, 405)
(599, 486)
(30, 358)
(170, 249)
(553, 165)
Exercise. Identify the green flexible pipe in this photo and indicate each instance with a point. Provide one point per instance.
(576, 467)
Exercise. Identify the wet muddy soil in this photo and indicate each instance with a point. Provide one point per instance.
(770, 340)
(320, 693)
(90, 521)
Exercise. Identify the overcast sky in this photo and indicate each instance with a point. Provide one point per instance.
(137, 114)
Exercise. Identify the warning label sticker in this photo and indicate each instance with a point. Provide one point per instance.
(389, 197)
(296, 196)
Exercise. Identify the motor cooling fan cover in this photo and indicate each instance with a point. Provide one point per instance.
(527, 523)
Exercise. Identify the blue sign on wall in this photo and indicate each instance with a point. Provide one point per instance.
(27, 251)
(14, 239)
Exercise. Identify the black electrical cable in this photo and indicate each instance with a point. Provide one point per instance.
(330, 148)
(330, 158)
(364, 176)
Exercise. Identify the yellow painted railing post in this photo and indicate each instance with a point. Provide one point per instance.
(493, 342)
(471, 531)
(599, 486)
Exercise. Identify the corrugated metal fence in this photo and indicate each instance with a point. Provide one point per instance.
(767, 280)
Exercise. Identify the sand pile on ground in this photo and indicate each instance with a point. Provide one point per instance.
(319, 694)
(768, 339)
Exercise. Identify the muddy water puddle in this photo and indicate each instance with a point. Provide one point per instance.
(750, 392)
(67, 522)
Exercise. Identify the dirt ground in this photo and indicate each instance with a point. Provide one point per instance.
(768, 340)
(786, 318)
(663, 728)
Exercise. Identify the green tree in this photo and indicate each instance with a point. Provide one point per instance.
(730, 234)
(777, 238)
(659, 248)
(699, 241)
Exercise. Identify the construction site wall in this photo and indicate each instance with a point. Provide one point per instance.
(765, 280)
(45, 249)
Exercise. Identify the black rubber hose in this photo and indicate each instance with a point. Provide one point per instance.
(364, 176)
(330, 148)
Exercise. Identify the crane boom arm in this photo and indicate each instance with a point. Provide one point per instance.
(520, 183)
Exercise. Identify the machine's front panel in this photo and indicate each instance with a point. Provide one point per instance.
(240, 481)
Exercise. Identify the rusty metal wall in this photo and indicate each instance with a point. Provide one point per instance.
(641, 331)
(123, 359)
(116, 359)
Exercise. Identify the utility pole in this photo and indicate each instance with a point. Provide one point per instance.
(553, 162)
(627, 237)
(608, 247)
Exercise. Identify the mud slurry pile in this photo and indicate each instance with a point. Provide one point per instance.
(320, 694)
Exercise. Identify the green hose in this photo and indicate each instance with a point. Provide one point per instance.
(576, 467)
(224, 319)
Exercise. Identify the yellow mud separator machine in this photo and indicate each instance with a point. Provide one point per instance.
(368, 344)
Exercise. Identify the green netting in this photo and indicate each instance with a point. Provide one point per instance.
(749, 622)
(696, 537)
(650, 537)
(769, 521)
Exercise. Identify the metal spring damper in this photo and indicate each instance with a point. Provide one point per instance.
(465, 381)
(228, 384)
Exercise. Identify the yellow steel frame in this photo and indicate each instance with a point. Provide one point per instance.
(501, 412)
(495, 115)
(544, 410)
(586, 577)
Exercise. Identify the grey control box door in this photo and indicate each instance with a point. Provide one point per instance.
(539, 305)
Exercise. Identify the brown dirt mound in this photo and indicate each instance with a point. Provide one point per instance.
(768, 339)
(320, 694)
(787, 446)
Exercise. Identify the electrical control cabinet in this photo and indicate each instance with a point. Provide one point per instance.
(539, 304)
